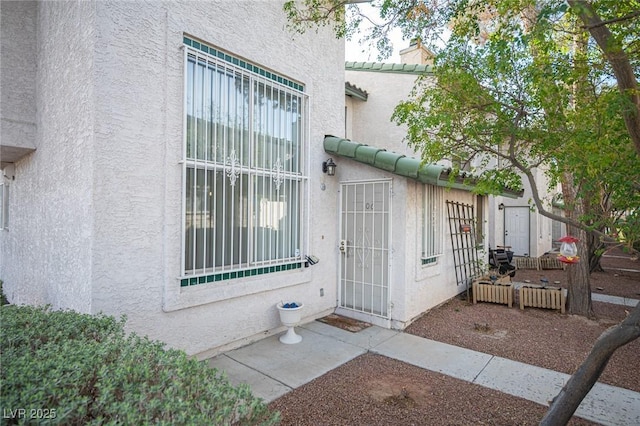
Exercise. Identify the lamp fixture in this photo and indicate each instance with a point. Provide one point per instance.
(501, 206)
(329, 167)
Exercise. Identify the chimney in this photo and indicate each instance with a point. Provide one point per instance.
(416, 53)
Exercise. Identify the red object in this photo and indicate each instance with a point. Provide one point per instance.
(568, 239)
(568, 259)
(465, 227)
(568, 250)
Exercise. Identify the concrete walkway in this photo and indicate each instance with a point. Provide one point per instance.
(617, 300)
(273, 369)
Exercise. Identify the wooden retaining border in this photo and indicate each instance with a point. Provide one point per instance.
(526, 262)
(537, 263)
(550, 263)
(486, 291)
(542, 297)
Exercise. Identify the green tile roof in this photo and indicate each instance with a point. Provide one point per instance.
(355, 92)
(401, 165)
(388, 68)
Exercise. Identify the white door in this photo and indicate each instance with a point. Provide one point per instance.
(516, 229)
(365, 230)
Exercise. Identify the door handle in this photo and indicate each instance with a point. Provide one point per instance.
(343, 246)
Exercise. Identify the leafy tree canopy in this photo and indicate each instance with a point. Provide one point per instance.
(523, 81)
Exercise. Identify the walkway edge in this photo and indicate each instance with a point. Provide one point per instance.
(604, 404)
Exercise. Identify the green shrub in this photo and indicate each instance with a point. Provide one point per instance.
(3, 299)
(62, 367)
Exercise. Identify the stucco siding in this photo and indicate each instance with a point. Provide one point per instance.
(138, 184)
(540, 227)
(130, 148)
(18, 42)
(430, 285)
(96, 210)
(48, 247)
(371, 120)
(414, 287)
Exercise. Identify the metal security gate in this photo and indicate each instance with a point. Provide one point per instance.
(463, 243)
(365, 234)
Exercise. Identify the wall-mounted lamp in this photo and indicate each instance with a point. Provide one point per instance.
(9, 172)
(329, 167)
(501, 206)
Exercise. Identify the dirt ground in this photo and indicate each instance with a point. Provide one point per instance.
(375, 390)
(615, 280)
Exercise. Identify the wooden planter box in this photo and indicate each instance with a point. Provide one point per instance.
(542, 297)
(486, 291)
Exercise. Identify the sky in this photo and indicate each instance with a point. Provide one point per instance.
(354, 52)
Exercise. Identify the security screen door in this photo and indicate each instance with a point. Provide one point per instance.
(364, 246)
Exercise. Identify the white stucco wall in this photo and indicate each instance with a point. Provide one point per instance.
(100, 199)
(18, 32)
(540, 227)
(414, 287)
(371, 120)
(46, 253)
(430, 285)
(140, 145)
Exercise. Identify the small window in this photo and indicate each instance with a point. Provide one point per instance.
(4, 206)
(480, 219)
(432, 222)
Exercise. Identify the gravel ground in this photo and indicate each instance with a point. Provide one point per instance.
(375, 390)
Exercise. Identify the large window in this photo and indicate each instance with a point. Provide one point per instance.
(244, 168)
(432, 222)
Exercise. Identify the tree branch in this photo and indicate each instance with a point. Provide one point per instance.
(612, 20)
(579, 385)
(619, 61)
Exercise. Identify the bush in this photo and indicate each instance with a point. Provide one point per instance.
(3, 298)
(61, 367)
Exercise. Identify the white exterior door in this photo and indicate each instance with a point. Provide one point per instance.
(365, 234)
(516, 229)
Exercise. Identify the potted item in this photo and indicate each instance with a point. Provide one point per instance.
(290, 315)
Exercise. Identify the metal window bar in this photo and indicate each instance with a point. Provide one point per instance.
(240, 130)
(465, 255)
(432, 235)
(480, 219)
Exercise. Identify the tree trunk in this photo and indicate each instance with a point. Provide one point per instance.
(594, 263)
(578, 280)
(578, 277)
(620, 63)
(595, 249)
(579, 385)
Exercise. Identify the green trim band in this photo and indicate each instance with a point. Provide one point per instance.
(429, 260)
(241, 63)
(401, 165)
(223, 276)
(417, 69)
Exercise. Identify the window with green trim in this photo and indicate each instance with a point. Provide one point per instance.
(4, 205)
(480, 220)
(432, 224)
(245, 181)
